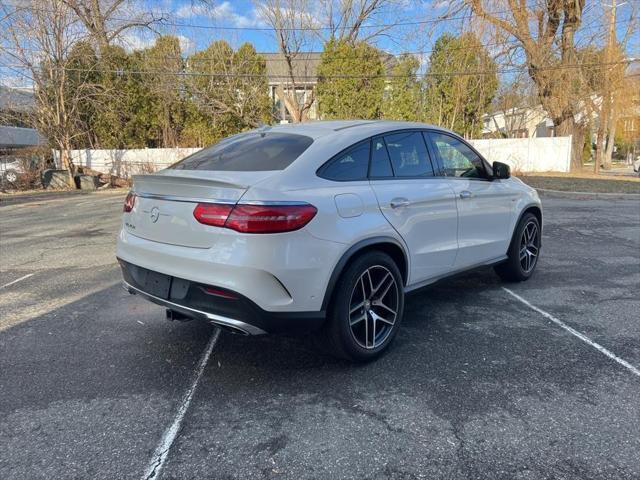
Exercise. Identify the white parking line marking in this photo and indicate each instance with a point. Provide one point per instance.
(162, 450)
(576, 333)
(17, 280)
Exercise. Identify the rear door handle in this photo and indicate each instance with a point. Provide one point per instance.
(399, 202)
(466, 194)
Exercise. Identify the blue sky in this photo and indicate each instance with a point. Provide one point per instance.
(239, 21)
(244, 15)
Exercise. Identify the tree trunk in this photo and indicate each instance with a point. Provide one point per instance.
(66, 163)
(611, 140)
(600, 141)
(566, 126)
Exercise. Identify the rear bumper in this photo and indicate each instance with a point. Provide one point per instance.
(273, 271)
(238, 313)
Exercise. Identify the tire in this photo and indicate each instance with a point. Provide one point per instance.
(11, 176)
(524, 251)
(363, 334)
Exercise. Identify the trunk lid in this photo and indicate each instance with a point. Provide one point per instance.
(163, 210)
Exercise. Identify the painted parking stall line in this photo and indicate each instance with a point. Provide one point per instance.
(162, 450)
(24, 277)
(575, 333)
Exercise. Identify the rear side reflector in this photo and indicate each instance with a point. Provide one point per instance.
(218, 292)
(129, 202)
(256, 218)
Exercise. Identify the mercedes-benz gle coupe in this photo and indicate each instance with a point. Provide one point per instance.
(323, 226)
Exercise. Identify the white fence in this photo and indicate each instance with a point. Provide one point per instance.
(125, 163)
(522, 154)
(541, 154)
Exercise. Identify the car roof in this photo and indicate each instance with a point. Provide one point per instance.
(348, 128)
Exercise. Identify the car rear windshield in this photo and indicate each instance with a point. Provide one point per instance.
(248, 152)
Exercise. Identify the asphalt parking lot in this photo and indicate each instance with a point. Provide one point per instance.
(477, 385)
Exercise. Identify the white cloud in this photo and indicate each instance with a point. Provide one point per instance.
(187, 45)
(186, 11)
(131, 41)
(225, 12)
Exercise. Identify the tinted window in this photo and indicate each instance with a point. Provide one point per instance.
(458, 160)
(409, 155)
(380, 163)
(351, 165)
(253, 151)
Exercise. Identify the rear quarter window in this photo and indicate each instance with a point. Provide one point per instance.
(248, 152)
(351, 165)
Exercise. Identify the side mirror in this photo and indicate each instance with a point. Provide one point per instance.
(501, 170)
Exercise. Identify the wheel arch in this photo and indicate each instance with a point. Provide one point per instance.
(535, 210)
(388, 245)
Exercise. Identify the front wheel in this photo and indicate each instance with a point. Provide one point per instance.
(524, 251)
(366, 309)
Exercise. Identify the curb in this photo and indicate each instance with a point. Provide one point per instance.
(587, 195)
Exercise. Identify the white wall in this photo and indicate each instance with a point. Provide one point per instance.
(546, 154)
(522, 154)
(125, 163)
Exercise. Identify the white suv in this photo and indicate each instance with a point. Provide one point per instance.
(323, 225)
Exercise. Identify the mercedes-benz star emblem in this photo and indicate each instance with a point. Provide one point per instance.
(154, 214)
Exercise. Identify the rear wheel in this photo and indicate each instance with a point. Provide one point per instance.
(366, 309)
(524, 251)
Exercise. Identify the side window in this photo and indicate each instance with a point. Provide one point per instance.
(458, 160)
(380, 163)
(348, 166)
(409, 155)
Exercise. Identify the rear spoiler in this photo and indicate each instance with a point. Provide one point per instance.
(188, 187)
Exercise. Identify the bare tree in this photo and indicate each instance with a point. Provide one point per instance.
(612, 91)
(291, 21)
(107, 20)
(39, 36)
(346, 19)
(545, 30)
(297, 24)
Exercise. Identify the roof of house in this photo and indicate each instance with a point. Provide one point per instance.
(16, 137)
(305, 66)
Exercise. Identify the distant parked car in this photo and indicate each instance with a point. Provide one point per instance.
(323, 225)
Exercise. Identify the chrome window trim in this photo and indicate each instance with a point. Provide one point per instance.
(175, 198)
(273, 203)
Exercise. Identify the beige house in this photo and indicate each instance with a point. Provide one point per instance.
(530, 122)
(305, 69)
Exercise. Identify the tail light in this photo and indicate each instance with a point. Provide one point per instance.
(129, 202)
(255, 218)
(212, 213)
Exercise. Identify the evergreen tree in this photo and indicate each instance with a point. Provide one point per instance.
(350, 81)
(164, 64)
(460, 84)
(402, 94)
(229, 89)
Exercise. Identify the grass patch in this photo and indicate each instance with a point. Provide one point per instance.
(582, 184)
